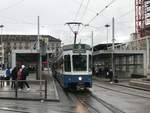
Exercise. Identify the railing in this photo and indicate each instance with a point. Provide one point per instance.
(35, 93)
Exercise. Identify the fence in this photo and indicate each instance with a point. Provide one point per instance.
(38, 89)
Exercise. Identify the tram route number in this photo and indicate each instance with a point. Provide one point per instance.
(78, 48)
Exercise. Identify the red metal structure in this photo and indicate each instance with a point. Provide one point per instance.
(142, 11)
(139, 17)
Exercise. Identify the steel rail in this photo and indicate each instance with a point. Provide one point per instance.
(104, 87)
(111, 107)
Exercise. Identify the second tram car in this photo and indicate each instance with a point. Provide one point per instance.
(73, 67)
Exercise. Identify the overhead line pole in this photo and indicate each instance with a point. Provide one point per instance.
(113, 48)
(92, 51)
(40, 56)
(112, 55)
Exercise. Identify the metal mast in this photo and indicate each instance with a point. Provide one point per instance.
(142, 17)
(139, 17)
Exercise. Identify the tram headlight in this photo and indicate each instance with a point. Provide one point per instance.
(80, 78)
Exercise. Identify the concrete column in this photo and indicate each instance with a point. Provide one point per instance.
(145, 66)
(13, 59)
(147, 54)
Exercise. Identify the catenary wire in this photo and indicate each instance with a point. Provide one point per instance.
(78, 10)
(91, 10)
(12, 5)
(101, 11)
(86, 8)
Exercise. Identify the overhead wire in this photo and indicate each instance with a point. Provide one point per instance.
(101, 11)
(12, 5)
(76, 15)
(15, 21)
(97, 14)
(117, 20)
(91, 10)
(86, 8)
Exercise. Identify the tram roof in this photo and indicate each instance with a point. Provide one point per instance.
(71, 47)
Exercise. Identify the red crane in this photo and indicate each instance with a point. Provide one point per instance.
(142, 18)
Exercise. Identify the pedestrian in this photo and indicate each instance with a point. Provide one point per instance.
(111, 75)
(106, 72)
(25, 73)
(20, 77)
(14, 76)
(7, 75)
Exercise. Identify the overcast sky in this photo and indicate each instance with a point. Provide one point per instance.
(20, 17)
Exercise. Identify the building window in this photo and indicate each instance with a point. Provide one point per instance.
(20, 45)
(26, 45)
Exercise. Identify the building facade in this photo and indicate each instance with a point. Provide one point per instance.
(25, 42)
(127, 59)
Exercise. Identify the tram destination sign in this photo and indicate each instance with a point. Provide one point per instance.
(79, 48)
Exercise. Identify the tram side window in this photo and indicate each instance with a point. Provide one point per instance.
(90, 63)
(67, 63)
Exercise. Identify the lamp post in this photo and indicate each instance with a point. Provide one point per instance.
(115, 77)
(107, 26)
(1, 26)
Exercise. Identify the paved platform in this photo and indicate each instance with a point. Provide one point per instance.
(143, 84)
(36, 92)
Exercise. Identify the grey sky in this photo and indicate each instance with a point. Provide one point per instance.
(20, 17)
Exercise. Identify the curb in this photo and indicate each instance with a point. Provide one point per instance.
(139, 88)
(56, 92)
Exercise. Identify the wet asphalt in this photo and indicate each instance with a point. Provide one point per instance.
(103, 97)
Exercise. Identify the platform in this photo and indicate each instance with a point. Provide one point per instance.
(143, 83)
(47, 90)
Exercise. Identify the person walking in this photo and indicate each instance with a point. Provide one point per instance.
(25, 73)
(8, 75)
(14, 76)
(20, 77)
(111, 75)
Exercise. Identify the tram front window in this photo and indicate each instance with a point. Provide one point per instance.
(67, 63)
(79, 62)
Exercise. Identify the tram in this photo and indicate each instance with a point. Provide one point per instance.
(73, 67)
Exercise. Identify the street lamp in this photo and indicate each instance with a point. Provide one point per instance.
(1, 26)
(107, 26)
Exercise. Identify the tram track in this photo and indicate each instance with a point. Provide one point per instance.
(91, 108)
(87, 105)
(111, 107)
(83, 97)
(118, 91)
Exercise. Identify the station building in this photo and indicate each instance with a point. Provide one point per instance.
(23, 49)
(129, 59)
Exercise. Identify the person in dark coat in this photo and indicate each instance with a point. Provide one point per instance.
(25, 73)
(14, 76)
(8, 75)
(111, 75)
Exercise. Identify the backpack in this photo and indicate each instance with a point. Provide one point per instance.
(25, 72)
(8, 73)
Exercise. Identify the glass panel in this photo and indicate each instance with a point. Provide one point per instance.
(79, 62)
(67, 63)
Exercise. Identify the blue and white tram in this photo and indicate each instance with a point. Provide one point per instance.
(73, 66)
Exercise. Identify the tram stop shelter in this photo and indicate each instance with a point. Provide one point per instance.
(126, 62)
